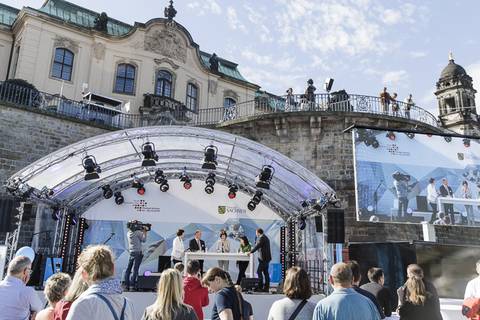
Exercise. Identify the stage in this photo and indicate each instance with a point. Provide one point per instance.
(261, 303)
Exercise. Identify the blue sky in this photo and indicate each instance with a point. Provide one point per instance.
(362, 44)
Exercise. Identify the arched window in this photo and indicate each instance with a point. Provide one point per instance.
(192, 97)
(62, 64)
(163, 85)
(228, 102)
(125, 79)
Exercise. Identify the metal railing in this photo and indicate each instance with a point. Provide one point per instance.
(82, 110)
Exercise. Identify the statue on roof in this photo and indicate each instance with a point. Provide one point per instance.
(170, 11)
(100, 23)
(213, 63)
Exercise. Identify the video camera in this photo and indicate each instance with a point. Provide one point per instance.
(136, 225)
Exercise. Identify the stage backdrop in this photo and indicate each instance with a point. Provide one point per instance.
(387, 161)
(179, 208)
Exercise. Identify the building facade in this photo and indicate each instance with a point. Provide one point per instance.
(65, 49)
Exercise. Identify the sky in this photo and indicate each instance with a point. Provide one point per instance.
(363, 44)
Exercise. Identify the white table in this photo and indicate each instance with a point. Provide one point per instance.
(443, 200)
(200, 255)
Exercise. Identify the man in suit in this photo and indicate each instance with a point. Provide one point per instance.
(446, 191)
(197, 244)
(381, 293)
(264, 257)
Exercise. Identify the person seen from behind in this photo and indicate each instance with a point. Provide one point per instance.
(195, 294)
(55, 289)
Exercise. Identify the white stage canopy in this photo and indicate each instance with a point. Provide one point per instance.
(119, 154)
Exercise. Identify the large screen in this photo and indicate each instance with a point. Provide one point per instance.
(413, 178)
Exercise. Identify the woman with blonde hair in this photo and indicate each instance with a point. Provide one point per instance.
(295, 305)
(55, 289)
(77, 287)
(103, 298)
(418, 298)
(169, 304)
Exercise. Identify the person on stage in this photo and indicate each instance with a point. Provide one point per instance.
(178, 249)
(137, 234)
(245, 247)
(264, 258)
(223, 246)
(432, 195)
(197, 244)
(446, 191)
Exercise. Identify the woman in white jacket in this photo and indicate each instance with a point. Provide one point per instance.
(223, 246)
(178, 249)
(432, 195)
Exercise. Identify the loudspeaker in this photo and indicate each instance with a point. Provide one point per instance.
(36, 276)
(147, 283)
(422, 204)
(249, 284)
(335, 226)
(328, 84)
(8, 208)
(318, 224)
(163, 263)
(27, 211)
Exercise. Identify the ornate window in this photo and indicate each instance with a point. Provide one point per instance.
(192, 97)
(62, 64)
(228, 102)
(125, 79)
(163, 86)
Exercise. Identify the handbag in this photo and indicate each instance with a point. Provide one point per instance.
(297, 310)
(407, 309)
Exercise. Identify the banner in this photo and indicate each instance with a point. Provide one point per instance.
(416, 178)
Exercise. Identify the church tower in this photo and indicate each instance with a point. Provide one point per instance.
(456, 100)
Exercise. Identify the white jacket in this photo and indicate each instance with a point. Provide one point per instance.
(432, 193)
(178, 249)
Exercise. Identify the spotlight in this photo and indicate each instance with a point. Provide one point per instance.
(265, 176)
(119, 198)
(411, 135)
(107, 191)
(56, 214)
(466, 142)
(161, 180)
(91, 167)
(328, 84)
(304, 204)
(302, 223)
(210, 160)
(256, 199)
(46, 192)
(164, 186)
(390, 135)
(73, 219)
(232, 190)
(187, 182)
(319, 204)
(448, 139)
(149, 155)
(139, 186)
(251, 206)
(210, 181)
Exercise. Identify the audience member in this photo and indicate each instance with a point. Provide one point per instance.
(245, 247)
(247, 310)
(77, 287)
(473, 286)
(417, 298)
(223, 246)
(179, 267)
(195, 294)
(55, 289)
(357, 277)
(381, 293)
(344, 303)
(18, 301)
(442, 219)
(169, 304)
(103, 299)
(295, 305)
(228, 302)
(264, 258)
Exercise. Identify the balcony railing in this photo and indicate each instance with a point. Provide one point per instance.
(166, 111)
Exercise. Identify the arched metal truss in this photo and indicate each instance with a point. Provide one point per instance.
(119, 156)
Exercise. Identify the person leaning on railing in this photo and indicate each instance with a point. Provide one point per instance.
(408, 105)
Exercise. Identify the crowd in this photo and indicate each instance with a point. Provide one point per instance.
(94, 293)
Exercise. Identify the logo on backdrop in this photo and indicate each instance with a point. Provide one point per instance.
(142, 206)
(394, 150)
(460, 156)
(230, 210)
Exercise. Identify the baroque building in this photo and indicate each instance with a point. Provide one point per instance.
(65, 49)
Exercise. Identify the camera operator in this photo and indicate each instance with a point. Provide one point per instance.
(137, 233)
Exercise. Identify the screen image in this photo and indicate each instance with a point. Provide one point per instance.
(410, 177)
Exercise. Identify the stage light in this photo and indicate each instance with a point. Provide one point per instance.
(210, 181)
(328, 84)
(256, 199)
(139, 186)
(411, 135)
(390, 135)
(149, 155)
(107, 191)
(46, 192)
(210, 160)
(304, 204)
(448, 138)
(91, 167)
(265, 177)
(232, 190)
(251, 206)
(56, 213)
(73, 219)
(119, 198)
(302, 223)
(466, 142)
(187, 182)
(161, 180)
(319, 204)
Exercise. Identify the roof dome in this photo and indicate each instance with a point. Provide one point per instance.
(452, 69)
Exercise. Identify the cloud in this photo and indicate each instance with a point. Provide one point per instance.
(395, 78)
(417, 54)
(256, 58)
(205, 7)
(428, 101)
(233, 20)
(258, 19)
(391, 17)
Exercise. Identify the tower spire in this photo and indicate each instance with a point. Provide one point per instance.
(170, 11)
(450, 56)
